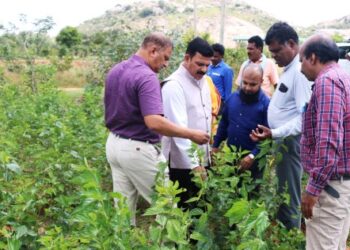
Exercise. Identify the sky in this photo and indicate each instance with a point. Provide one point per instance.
(74, 12)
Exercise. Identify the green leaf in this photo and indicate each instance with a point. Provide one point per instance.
(198, 236)
(161, 220)
(254, 244)
(193, 199)
(175, 232)
(238, 211)
(13, 244)
(155, 233)
(154, 211)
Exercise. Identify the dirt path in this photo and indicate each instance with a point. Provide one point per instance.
(72, 89)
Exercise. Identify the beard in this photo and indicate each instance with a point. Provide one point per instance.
(249, 98)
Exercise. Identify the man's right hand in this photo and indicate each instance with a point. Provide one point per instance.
(260, 133)
(199, 137)
(215, 150)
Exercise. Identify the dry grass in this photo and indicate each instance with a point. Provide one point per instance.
(75, 77)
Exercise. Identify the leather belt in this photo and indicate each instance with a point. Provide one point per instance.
(331, 190)
(345, 177)
(132, 139)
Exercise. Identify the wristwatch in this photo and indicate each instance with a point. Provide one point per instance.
(251, 156)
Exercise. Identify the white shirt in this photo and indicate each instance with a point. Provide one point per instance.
(187, 103)
(288, 102)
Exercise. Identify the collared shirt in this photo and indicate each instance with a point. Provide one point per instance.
(222, 76)
(270, 75)
(187, 103)
(325, 141)
(239, 119)
(132, 91)
(288, 101)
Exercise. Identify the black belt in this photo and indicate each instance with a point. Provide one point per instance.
(126, 138)
(331, 190)
(345, 177)
(157, 145)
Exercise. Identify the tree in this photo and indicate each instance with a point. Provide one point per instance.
(68, 38)
(27, 45)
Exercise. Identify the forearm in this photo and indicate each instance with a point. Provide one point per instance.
(290, 128)
(165, 127)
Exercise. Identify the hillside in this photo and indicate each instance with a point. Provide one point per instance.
(241, 20)
(340, 26)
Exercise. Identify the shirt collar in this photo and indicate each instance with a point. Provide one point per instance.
(261, 59)
(326, 68)
(293, 62)
(220, 64)
(187, 74)
(139, 59)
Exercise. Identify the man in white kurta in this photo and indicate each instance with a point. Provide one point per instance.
(187, 102)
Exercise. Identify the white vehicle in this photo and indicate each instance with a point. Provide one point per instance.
(344, 56)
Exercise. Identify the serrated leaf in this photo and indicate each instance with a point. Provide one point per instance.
(155, 233)
(238, 211)
(175, 232)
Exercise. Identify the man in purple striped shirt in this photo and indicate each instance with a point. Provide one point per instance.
(325, 146)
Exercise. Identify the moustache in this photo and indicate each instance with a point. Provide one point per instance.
(201, 73)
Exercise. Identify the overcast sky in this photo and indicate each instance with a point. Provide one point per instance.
(74, 12)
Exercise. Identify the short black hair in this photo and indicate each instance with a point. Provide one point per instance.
(281, 32)
(258, 41)
(324, 48)
(217, 47)
(201, 46)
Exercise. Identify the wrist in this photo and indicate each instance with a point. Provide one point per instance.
(251, 156)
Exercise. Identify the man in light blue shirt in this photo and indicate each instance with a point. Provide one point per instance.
(220, 72)
(285, 118)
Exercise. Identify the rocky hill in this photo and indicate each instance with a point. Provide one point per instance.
(340, 26)
(241, 19)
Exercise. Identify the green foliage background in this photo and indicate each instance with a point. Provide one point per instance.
(55, 183)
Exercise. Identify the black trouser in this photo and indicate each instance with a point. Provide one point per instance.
(184, 176)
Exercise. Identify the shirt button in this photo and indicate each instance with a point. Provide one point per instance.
(240, 114)
(203, 105)
(237, 126)
(207, 118)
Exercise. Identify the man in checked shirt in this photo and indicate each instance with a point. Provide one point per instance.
(325, 146)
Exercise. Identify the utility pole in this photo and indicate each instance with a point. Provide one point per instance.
(222, 24)
(195, 17)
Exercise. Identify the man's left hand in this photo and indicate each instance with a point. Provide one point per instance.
(308, 202)
(246, 163)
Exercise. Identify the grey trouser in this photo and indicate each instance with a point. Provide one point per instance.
(134, 169)
(289, 172)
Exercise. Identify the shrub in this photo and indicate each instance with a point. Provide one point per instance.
(146, 12)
